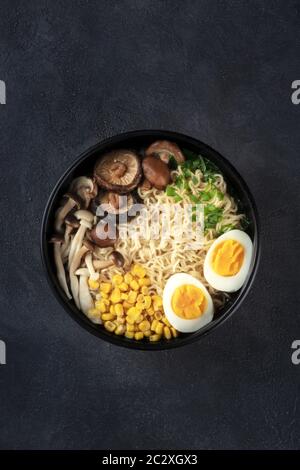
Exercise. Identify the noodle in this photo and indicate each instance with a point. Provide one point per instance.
(164, 257)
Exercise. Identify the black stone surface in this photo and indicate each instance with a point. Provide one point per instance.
(77, 72)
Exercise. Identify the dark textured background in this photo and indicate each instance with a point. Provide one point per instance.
(77, 72)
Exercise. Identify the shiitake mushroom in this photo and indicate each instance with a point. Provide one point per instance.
(164, 149)
(157, 172)
(118, 171)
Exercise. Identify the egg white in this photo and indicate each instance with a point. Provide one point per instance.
(229, 283)
(181, 324)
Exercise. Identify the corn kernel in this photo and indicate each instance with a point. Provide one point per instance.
(128, 278)
(124, 296)
(130, 327)
(130, 320)
(156, 298)
(134, 285)
(109, 326)
(112, 309)
(108, 316)
(156, 306)
(104, 296)
(117, 279)
(174, 332)
(120, 330)
(144, 289)
(139, 306)
(138, 271)
(129, 334)
(159, 328)
(100, 305)
(132, 297)
(167, 332)
(158, 315)
(144, 325)
(153, 325)
(140, 298)
(154, 337)
(157, 302)
(126, 305)
(147, 301)
(123, 287)
(115, 296)
(166, 321)
(105, 287)
(144, 282)
(139, 318)
(147, 333)
(131, 312)
(150, 311)
(119, 309)
(93, 284)
(138, 335)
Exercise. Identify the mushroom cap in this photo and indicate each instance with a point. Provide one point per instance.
(119, 171)
(85, 215)
(157, 172)
(118, 258)
(165, 149)
(72, 221)
(86, 188)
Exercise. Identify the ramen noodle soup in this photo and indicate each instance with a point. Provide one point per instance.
(152, 244)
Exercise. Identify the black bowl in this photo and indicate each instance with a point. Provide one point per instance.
(83, 165)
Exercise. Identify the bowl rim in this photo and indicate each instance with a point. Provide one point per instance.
(78, 316)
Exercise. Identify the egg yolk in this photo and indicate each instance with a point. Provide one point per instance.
(188, 302)
(228, 257)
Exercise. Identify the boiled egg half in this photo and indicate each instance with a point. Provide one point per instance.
(228, 261)
(187, 303)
